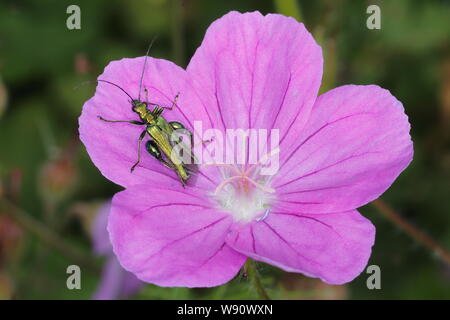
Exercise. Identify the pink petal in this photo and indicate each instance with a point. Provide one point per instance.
(258, 71)
(333, 247)
(172, 237)
(100, 236)
(116, 283)
(113, 146)
(352, 149)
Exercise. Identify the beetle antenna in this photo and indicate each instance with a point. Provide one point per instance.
(116, 85)
(143, 69)
(106, 81)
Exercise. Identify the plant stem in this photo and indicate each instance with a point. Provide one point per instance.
(388, 212)
(253, 276)
(47, 235)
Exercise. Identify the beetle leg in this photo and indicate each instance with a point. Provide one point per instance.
(176, 125)
(174, 102)
(154, 151)
(146, 94)
(141, 137)
(193, 158)
(166, 163)
(123, 121)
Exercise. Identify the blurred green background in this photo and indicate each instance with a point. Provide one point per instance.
(50, 190)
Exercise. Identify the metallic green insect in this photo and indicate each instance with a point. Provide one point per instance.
(160, 145)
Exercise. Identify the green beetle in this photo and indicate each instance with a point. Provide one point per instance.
(160, 131)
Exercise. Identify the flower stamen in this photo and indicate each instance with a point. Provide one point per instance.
(244, 178)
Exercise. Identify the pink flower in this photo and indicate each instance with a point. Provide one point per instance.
(115, 282)
(338, 151)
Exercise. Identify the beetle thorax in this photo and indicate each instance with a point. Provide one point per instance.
(141, 109)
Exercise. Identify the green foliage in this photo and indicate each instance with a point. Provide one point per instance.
(41, 62)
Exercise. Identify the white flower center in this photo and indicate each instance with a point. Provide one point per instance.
(245, 194)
